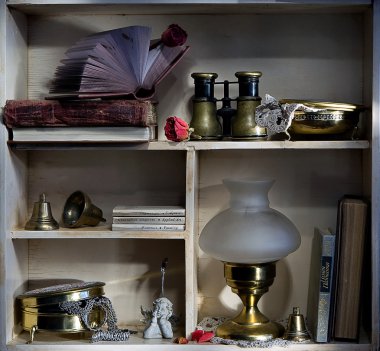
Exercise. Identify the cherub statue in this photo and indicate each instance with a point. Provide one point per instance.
(159, 320)
(160, 326)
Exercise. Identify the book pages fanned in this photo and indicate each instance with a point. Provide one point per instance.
(117, 62)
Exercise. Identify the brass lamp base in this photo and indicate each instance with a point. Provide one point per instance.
(250, 282)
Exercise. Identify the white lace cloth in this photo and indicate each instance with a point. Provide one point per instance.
(277, 117)
(211, 323)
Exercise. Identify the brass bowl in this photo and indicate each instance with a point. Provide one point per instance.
(323, 123)
(333, 120)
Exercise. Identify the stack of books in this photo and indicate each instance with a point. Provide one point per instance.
(148, 218)
(101, 92)
(81, 120)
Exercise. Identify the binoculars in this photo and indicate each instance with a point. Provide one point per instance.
(210, 123)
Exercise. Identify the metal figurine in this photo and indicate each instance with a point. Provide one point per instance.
(160, 325)
(163, 269)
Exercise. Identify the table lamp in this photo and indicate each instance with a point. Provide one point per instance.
(249, 238)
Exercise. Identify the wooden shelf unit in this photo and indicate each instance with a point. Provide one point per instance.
(311, 49)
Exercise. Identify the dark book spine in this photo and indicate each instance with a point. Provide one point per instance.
(50, 113)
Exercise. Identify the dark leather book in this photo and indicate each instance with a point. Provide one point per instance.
(352, 228)
(79, 113)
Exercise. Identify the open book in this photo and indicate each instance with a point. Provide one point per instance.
(118, 62)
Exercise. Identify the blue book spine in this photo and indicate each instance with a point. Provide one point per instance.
(326, 276)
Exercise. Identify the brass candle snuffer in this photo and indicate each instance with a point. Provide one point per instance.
(210, 123)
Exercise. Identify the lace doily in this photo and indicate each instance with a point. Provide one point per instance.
(211, 323)
(83, 309)
(277, 117)
(244, 343)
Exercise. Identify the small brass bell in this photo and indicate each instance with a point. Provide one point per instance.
(80, 211)
(42, 218)
(296, 328)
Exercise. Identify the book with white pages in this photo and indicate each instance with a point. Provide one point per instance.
(136, 211)
(148, 220)
(83, 134)
(148, 227)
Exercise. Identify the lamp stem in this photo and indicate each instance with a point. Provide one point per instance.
(250, 282)
(250, 312)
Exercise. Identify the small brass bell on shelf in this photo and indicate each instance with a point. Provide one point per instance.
(296, 328)
(42, 218)
(79, 211)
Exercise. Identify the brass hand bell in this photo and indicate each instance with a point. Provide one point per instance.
(42, 218)
(296, 329)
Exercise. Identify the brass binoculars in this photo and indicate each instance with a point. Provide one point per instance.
(210, 123)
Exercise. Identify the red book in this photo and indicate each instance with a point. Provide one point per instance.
(76, 113)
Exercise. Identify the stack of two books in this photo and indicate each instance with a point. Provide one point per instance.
(148, 218)
(81, 120)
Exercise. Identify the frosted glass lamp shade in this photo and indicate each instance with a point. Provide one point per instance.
(249, 232)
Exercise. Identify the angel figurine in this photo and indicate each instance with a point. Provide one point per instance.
(160, 325)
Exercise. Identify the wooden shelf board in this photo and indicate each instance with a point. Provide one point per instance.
(44, 341)
(57, 7)
(312, 144)
(198, 145)
(99, 232)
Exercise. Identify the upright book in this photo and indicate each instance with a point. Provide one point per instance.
(117, 62)
(351, 232)
(320, 283)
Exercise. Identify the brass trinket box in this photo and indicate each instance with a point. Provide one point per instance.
(40, 309)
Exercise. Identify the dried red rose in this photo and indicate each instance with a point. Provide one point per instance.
(174, 36)
(207, 336)
(181, 340)
(197, 334)
(200, 335)
(176, 129)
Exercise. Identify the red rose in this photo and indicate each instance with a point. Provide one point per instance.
(176, 129)
(199, 335)
(174, 36)
(196, 334)
(207, 336)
